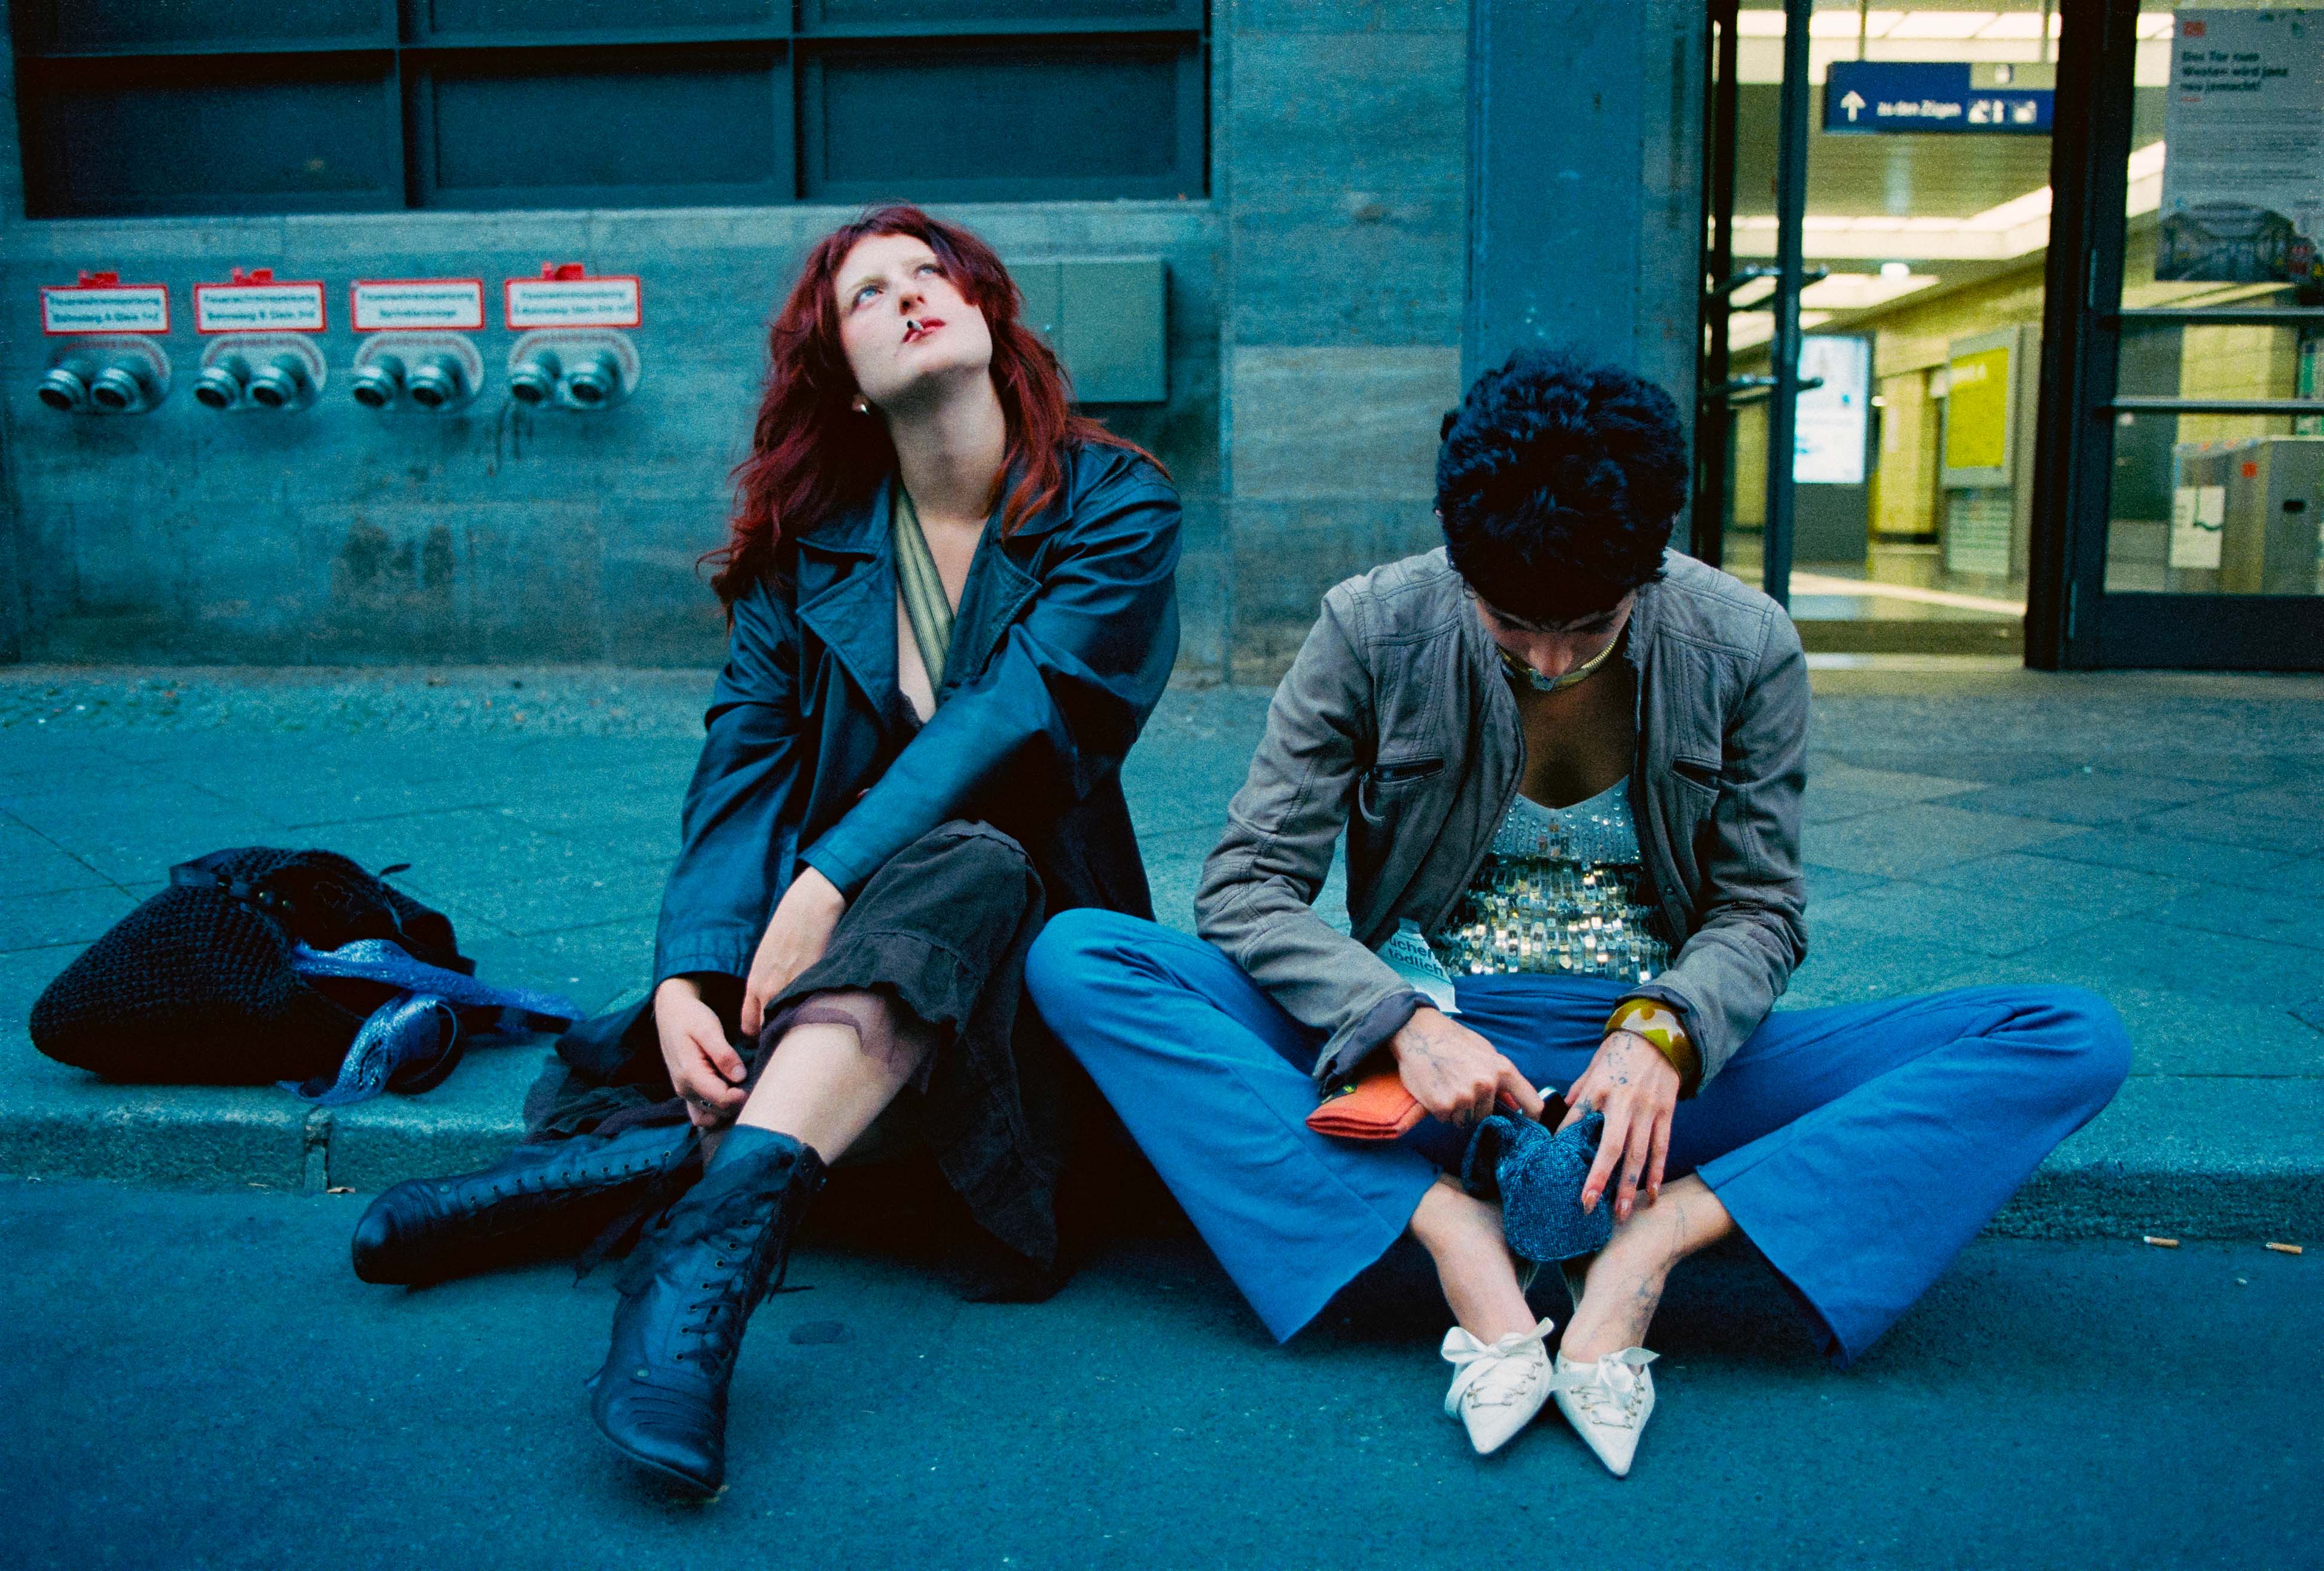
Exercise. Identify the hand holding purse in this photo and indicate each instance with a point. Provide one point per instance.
(1374, 1105)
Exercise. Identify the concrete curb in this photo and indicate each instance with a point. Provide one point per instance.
(56, 1122)
(2191, 1157)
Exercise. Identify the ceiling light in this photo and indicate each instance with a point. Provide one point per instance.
(2010, 229)
(1895, 270)
(1857, 291)
(2018, 25)
(1769, 23)
(1944, 25)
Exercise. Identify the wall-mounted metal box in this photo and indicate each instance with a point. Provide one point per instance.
(1108, 318)
(2275, 499)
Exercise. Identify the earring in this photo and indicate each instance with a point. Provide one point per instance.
(862, 405)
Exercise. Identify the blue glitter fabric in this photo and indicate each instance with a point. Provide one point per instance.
(416, 1039)
(1538, 1177)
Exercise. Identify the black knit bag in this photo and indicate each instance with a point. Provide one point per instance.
(196, 987)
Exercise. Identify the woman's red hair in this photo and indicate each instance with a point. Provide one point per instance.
(812, 456)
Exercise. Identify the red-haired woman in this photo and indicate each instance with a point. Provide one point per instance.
(952, 611)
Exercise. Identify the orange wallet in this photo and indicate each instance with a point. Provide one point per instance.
(1375, 1107)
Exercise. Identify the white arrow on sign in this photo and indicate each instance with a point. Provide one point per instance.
(1852, 103)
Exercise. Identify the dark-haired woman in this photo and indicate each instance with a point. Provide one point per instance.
(952, 611)
(1567, 762)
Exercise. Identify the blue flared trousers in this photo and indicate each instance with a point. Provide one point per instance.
(1858, 1148)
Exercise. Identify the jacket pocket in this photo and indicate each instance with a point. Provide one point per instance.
(1399, 772)
(1696, 772)
(1391, 789)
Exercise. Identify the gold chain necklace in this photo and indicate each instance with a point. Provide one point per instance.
(1574, 678)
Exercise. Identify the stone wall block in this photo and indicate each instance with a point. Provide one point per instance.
(1369, 16)
(1355, 423)
(1342, 267)
(1342, 112)
(1288, 553)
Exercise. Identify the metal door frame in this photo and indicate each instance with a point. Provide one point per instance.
(2071, 621)
(1718, 392)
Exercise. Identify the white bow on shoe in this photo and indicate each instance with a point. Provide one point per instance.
(1608, 1403)
(1498, 1386)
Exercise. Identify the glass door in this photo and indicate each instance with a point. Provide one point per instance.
(2188, 443)
(1922, 245)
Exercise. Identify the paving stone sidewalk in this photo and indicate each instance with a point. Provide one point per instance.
(2159, 837)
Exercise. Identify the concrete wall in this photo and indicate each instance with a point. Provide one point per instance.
(1342, 174)
(498, 534)
(1585, 193)
(338, 534)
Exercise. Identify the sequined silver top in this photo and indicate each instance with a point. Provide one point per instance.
(1561, 891)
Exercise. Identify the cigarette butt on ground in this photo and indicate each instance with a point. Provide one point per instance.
(2285, 1248)
(2162, 1242)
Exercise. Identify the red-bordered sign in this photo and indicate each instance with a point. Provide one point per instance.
(417, 304)
(255, 303)
(101, 304)
(564, 296)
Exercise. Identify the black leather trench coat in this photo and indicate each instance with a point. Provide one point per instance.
(1063, 643)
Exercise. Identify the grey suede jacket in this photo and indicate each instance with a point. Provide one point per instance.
(1396, 723)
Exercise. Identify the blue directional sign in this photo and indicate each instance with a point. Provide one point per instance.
(1884, 97)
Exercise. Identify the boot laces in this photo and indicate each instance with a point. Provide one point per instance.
(725, 1303)
(571, 1175)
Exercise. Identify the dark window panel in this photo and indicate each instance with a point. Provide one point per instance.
(268, 134)
(630, 126)
(958, 15)
(2152, 357)
(1020, 121)
(487, 19)
(64, 25)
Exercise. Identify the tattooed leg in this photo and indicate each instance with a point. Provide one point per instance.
(843, 1059)
(1626, 1277)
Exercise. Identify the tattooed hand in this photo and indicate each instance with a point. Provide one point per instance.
(1637, 1088)
(1454, 1072)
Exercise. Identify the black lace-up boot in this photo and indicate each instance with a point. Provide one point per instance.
(695, 1277)
(540, 1202)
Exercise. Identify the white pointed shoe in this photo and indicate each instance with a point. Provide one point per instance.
(1497, 1386)
(1608, 1403)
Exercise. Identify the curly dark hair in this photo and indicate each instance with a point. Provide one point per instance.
(1558, 481)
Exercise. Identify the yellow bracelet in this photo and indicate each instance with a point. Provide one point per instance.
(1658, 1023)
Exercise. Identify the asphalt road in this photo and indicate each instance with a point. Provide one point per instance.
(197, 1380)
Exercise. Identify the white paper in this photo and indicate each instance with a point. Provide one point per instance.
(572, 303)
(1408, 955)
(2242, 186)
(130, 308)
(421, 302)
(282, 308)
(2196, 515)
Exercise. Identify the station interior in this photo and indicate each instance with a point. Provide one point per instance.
(1934, 248)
